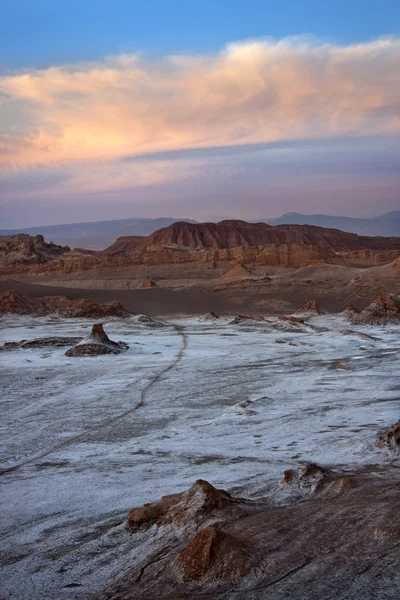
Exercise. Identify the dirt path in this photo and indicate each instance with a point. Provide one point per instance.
(180, 330)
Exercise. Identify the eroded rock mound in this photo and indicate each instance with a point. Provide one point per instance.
(237, 270)
(350, 310)
(308, 479)
(97, 343)
(383, 310)
(248, 320)
(148, 284)
(390, 440)
(215, 555)
(311, 308)
(199, 504)
(147, 321)
(13, 302)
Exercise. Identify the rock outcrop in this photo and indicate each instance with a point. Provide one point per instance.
(149, 284)
(54, 342)
(23, 249)
(248, 320)
(310, 308)
(212, 545)
(210, 316)
(200, 504)
(13, 302)
(390, 440)
(350, 310)
(383, 310)
(236, 270)
(96, 343)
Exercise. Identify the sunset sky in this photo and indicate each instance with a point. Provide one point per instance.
(202, 109)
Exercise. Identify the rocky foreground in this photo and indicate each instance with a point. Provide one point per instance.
(333, 536)
(214, 457)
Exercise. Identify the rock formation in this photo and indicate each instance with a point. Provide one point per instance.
(390, 440)
(211, 545)
(247, 320)
(310, 308)
(54, 342)
(96, 343)
(350, 310)
(383, 310)
(149, 284)
(210, 316)
(147, 321)
(231, 234)
(13, 302)
(200, 504)
(236, 270)
(24, 249)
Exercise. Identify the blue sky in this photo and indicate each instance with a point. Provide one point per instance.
(39, 33)
(238, 109)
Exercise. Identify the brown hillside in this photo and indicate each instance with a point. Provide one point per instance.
(231, 234)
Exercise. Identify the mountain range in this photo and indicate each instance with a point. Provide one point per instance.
(100, 234)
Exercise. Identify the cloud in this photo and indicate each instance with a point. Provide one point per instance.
(252, 92)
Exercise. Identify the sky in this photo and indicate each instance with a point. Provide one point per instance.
(203, 109)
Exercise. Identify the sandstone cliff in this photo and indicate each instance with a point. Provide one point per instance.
(232, 234)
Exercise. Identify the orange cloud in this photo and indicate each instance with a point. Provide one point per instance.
(251, 92)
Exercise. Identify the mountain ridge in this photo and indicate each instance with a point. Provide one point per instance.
(97, 235)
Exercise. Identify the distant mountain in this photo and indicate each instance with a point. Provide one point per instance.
(233, 234)
(99, 235)
(384, 225)
(95, 235)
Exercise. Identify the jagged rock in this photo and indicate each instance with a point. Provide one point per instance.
(342, 538)
(247, 320)
(383, 310)
(311, 308)
(24, 249)
(96, 343)
(13, 302)
(199, 504)
(308, 479)
(390, 439)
